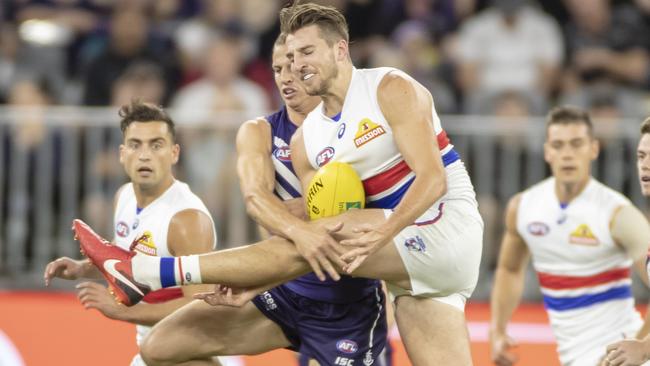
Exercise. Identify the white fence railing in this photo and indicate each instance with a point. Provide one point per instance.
(62, 162)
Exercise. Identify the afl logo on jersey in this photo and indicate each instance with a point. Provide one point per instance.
(122, 229)
(325, 156)
(283, 153)
(347, 346)
(538, 228)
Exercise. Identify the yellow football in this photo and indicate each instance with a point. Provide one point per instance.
(335, 188)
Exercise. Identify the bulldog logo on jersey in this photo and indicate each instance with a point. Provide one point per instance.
(415, 244)
(367, 131)
(145, 244)
(583, 235)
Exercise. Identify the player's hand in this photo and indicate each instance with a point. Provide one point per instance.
(228, 296)
(320, 250)
(66, 268)
(95, 296)
(371, 240)
(500, 345)
(629, 352)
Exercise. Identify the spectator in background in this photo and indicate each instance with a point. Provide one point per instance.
(127, 45)
(413, 50)
(511, 46)
(8, 54)
(606, 51)
(209, 150)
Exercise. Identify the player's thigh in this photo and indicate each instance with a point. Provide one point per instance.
(433, 332)
(199, 330)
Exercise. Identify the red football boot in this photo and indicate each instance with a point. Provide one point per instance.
(113, 262)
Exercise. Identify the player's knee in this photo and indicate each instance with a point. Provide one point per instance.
(154, 354)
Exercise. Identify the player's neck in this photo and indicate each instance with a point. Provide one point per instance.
(298, 114)
(145, 195)
(567, 191)
(335, 96)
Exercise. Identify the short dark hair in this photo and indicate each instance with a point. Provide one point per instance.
(645, 126)
(330, 21)
(565, 115)
(139, 111)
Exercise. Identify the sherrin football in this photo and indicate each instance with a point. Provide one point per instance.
(335, 188)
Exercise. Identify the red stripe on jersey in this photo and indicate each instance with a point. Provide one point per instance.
(556, 282)
(443, 140)
(387, 179)
(163, 295)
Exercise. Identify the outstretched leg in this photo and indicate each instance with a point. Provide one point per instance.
(198, 331)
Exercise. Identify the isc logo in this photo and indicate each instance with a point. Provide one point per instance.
(344, 361)
(324, 156)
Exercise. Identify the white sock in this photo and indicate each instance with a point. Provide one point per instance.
(146, 270)
(191, 270)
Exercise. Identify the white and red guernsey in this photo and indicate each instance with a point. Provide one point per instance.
(583, 273)
(150, 226)
(361, 136)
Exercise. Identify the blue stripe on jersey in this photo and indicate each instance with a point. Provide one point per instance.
(450, 157)
(570, 303)
(393, 199)
(288, 187)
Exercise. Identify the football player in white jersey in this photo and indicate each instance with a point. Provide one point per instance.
(251, 327)
(583, 237)
(425, 238)
(633, 352)
(175, 220)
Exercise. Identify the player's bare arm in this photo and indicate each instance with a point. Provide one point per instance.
(72, 269)
(631, 230)
(190, 232)
(407, 106)
(508, 286)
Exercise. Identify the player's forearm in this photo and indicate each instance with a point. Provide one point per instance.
(506, 294)
(421, 195)
(268, 211)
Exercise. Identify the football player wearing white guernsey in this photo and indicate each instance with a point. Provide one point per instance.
(162, 212)
(424, 201)
(583, 238)
(633, 352)
(334, 322)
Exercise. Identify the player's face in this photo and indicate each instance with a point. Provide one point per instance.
(292, 92)
(148, 153)
(643, 163)
(569, 150)
(313, 60)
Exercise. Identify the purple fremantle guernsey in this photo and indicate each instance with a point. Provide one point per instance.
(287, 186)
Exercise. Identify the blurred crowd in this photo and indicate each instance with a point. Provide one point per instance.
(501, 57)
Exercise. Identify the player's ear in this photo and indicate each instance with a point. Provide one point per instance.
(595, 148)
(122, 152)
(547, 152)
(176, 151)
(342, 50)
